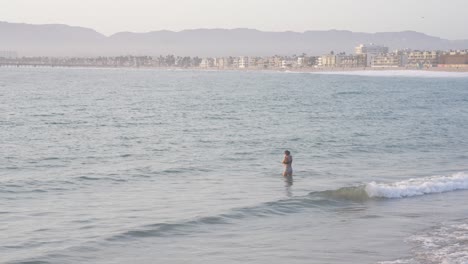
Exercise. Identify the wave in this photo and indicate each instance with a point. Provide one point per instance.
(418, 186)
(353, 197)
(322, 200)
(400, 189)
(446, 243)
(398, 73)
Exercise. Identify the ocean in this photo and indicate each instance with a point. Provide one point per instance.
(184, 166)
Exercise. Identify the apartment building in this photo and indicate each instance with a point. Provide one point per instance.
(371, 49)
(206, 63)
(329, 60)
(423, 59)
(351, 61)
(8, 54)
(243, 62)
(454, 59)
(391, 60)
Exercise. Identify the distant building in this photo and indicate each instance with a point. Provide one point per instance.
(391, 60)
(286, 64)
(454, 59)
(370, 50)
(235, 62)
(261, 63)
(328, 60)
(8, 54)
(277, 61)
(420, 59)
(206, 63)
(301, 61)
(243, 62)
(351, 61)
(311, 61)
(318, 62)
(222, 63)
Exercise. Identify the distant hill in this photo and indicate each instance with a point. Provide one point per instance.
(63, 40)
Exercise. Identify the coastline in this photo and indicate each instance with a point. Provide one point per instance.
(253, 69)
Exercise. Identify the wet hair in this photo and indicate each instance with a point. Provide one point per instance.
(287, 152)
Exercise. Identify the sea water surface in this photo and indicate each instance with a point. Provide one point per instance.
(157, 166)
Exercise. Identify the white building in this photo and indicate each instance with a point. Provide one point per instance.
(300, 61)
(207, 63)
(318, 62)
(243, 62)
(371, 50)
(423, 58)
(389, 60)
(328, 60)
(8, 54)
(286, 64)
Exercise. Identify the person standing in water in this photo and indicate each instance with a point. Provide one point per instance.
(287, 162)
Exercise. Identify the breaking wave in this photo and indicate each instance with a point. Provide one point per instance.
(400, 189)
(319, 200)
(418, 186)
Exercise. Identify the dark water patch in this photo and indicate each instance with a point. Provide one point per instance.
(58, 123)
(410, 215)
(89, 178)
(360, 135)
(155, 230)
(370, 216)
(87, 227)
(12, 185)
(42, 230)
(51, 158)
(45, 115)
(36, 191)
(264, 210)
(85, 221)
(172, 171)
(142, 176)
(348, 194)
(349, 93)
(38, 214)
(30, 262)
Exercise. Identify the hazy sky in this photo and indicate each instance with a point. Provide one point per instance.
(443, 18)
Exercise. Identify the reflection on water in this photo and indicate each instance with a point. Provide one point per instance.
(288, 183)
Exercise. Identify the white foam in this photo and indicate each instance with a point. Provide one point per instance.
(399, 73)
(445, 244)
(419, 186)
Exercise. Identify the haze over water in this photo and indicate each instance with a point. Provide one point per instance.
(148, 166)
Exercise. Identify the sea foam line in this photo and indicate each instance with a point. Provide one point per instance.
(397, 73)
(419, 186)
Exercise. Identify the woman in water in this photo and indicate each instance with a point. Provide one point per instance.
(287, 161)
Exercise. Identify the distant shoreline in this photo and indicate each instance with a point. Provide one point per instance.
(296, 70)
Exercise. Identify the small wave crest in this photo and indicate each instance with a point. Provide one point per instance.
(398, 73)
(418, 186)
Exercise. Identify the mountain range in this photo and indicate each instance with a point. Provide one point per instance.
(64, 40)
